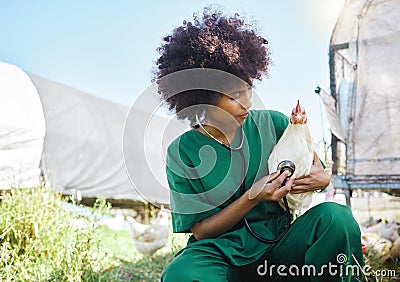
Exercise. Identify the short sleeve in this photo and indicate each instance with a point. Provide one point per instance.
(280, 122)
(189, 203)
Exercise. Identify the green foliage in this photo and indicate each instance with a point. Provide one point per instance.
(376, 263)
(40, 241)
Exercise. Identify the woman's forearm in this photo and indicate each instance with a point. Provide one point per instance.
(225, 219)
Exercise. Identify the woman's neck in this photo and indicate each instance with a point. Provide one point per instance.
(224, 135)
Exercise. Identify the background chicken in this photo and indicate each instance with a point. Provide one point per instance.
(381, 238)
(297, 146)
(150, 238)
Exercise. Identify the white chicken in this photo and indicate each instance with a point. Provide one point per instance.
(150, 238)
(295, 145)
(381, 238)
(379, 246)
(395, 251)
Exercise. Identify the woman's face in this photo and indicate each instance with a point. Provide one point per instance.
(232, 108)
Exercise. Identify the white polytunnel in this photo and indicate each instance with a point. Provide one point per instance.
(22, 128)
(71, 139)
(365, 69)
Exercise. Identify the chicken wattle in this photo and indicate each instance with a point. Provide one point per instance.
(297, 146)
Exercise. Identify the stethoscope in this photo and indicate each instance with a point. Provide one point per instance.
(285, 165)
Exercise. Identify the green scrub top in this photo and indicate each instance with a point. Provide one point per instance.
(204, 177)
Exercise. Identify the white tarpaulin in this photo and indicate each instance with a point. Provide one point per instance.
(22, 128)
(331, 114)
(365, 47)
(72, 139)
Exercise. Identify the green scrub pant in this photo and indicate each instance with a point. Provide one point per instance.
(324, 244)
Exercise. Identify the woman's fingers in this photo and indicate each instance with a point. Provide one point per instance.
(315, 158)
(278, 178)
(289, 182)
(315, 180)
(273, 175)
(273, 187)
(295, 190)
(262, 184)
(301, 185)
(277, 190)
(285, 188)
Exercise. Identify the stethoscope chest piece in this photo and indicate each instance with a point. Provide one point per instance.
(282, 166)
(286, 165)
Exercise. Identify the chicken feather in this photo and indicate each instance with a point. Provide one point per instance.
(150, 238)
(296, 145)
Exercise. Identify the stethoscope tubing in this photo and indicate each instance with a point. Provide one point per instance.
(246, 223)
(243, 188)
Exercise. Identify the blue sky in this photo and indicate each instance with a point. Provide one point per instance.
(108, 48)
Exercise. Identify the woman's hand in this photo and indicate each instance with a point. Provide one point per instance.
(317, 179)
(269, 188)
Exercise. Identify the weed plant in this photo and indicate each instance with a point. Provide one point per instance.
(40, 241)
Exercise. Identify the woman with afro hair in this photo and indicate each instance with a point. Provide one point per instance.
(205, 75)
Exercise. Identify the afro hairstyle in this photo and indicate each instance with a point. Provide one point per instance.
(212, 41)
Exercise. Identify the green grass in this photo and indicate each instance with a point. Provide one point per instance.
(40, 241)
(376, 263)
(126, 264)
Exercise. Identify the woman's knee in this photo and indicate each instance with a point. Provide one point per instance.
(178, 270)
(335, 218)
(192, 265)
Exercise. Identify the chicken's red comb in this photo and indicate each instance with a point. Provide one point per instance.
(298, 107)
